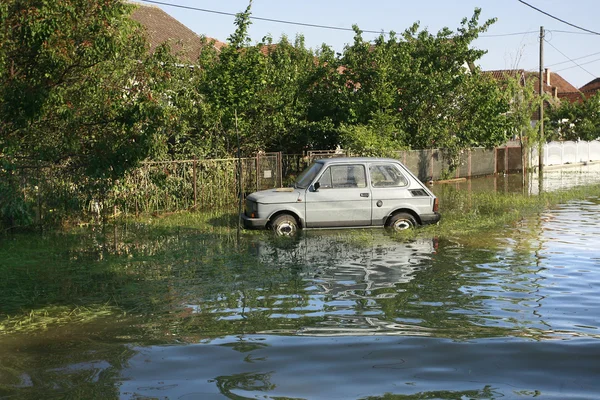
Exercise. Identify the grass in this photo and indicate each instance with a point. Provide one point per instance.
(88, 277)
(41, 319)
(464, 213)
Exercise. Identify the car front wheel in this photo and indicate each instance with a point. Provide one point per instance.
(400, 222)
(284, 225)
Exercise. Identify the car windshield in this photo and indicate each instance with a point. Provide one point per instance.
(306, 177)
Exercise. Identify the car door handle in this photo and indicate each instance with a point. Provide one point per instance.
(364, 195)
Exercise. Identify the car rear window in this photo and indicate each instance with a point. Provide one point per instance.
(387, 175)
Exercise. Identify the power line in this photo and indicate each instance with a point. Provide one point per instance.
(507, 34)
(571, 32)
(307, 24)
(578, 58)
(558, 19)
(578, 65)
(575, 66)
(263, 19)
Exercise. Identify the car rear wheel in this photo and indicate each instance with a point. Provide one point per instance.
(284, 225)
(400, 222)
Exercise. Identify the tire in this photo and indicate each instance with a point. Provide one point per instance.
(284, 225)
(401, 222)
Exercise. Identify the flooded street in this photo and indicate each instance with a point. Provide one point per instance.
(180, 313)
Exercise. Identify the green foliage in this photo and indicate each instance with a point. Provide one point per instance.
(576, 121)
(377, 139)
(522, 105)
(78, 91)
(80, 94)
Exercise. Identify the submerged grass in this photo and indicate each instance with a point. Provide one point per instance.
(41, 319)
(467, 213)
(464, 213)
(95, 275)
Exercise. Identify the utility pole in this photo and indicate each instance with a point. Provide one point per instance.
(541, 142)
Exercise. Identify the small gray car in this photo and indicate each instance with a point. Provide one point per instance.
(344, 193)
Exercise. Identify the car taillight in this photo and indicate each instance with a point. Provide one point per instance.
(436, 205)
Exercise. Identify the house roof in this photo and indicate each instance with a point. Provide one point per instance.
(554, 84)
(162, 28)
(592, 86)
(574, 97)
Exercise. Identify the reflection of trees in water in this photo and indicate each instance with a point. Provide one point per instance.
(66, 368)
(486, 393)
(248, 382)
(181, 285)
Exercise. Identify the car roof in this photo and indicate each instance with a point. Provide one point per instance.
(355, 159)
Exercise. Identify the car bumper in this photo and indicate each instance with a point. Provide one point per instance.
(428, 219)
(253, 223)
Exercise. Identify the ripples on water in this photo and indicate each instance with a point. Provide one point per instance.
(356, 315)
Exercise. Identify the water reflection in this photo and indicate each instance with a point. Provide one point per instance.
(553, 178)
(182, 313)
(346, 278)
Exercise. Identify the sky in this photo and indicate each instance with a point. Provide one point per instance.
(512, 42)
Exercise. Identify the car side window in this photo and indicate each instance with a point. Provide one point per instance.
(387, 175)
(344, 176)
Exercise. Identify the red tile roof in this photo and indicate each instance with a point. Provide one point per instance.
(592, 86)
(557, 86)
(162, 28)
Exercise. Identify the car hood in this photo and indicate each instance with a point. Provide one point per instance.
(281, 195)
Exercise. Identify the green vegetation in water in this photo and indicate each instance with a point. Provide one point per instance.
(150, 269)
(467, 214)
(41, 319)
(464, 213)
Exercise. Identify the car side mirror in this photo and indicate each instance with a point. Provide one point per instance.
(316, 186)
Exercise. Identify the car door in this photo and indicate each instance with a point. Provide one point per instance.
(342, 199)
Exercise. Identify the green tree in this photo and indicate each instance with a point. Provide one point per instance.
(416, 91)
(78, 92)
(576, 121)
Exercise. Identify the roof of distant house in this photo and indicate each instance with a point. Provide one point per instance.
(552, 80)
(162, 28)
(575, 97)
(592, 86)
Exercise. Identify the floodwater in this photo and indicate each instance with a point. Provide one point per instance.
(179, 313)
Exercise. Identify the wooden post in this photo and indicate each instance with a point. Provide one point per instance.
(194, 184)
(257, 172)
(280, 165)
(541, 150)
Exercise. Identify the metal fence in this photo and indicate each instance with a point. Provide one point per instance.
(214, 183)
(197, 184)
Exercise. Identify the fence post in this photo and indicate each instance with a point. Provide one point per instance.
(495, 160)
(280, 168)
(194, 184)
(257, 174)
(431, 163)
(470, 160)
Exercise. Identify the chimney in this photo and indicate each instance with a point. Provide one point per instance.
(547, 72)
(555, 92)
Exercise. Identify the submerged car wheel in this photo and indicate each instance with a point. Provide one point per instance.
(284, 225)
(401, 221)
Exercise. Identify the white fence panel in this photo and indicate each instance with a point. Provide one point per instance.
(583, 151)
(569, 153)
(559, 153)
(594, 152)
(553, 154)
